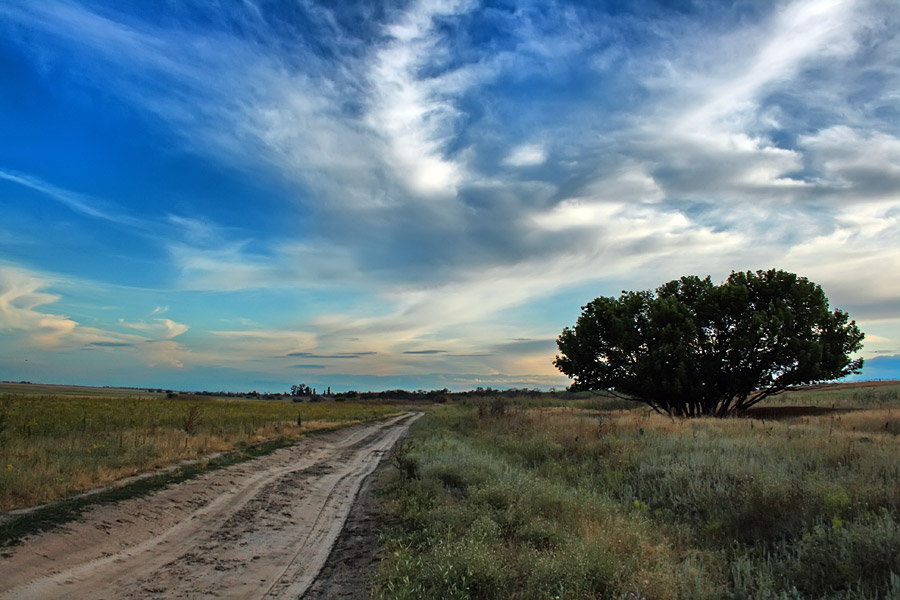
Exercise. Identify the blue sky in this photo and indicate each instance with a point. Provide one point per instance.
(371, 195)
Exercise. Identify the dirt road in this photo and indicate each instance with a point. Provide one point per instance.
(260, 529)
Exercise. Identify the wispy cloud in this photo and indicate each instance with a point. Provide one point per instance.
(266, 342)
(443, 177)
(334, 356)
(159, 329)
(21, 302)
(527, 155)
(81, 203)
(802, 30)
(21, 295)
(112, 344)
(416, 115)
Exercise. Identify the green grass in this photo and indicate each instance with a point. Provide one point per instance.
(588, 501)
(52, 447)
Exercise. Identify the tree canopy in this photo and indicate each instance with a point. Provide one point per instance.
(695, 348)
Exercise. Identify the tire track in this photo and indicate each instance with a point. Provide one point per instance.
(261, 529)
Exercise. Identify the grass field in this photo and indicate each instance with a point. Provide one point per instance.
(47, 389)
(592, 500)
(53, 446)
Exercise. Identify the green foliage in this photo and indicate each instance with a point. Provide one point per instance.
(859, 557)
(695, 348)
(404, 462)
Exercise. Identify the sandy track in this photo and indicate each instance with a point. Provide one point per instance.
(260, 529)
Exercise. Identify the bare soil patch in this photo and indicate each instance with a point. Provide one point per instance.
(348, 571)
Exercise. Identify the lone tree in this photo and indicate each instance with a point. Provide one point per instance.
(695, 348)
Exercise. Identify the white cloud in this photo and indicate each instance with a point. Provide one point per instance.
(416, 115)
(462, 313)
(231, 266)
(526, 155)
(855, 262)
(21, 297)
(802, 30)
(223, 268)
(263, 346)
(161, 329)
(857, 166)
(165, 353)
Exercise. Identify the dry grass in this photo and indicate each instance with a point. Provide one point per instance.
(52, 447)
(801, 504)
(48, 389)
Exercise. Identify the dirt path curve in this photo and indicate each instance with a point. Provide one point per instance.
(259, 529)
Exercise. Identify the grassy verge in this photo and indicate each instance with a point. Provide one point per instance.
(518, 501)
(15, 527)
(54, 447)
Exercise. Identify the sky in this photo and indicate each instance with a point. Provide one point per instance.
(239, 195)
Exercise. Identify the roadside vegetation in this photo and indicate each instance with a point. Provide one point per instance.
(54, 446)
(597, 499)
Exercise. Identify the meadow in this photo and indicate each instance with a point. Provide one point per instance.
(599, 498)
(54, 446)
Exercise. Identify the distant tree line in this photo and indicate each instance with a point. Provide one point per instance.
(253, 395)
(398, 394)
(304, 393)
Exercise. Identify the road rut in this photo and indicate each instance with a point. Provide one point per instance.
(259, 529)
